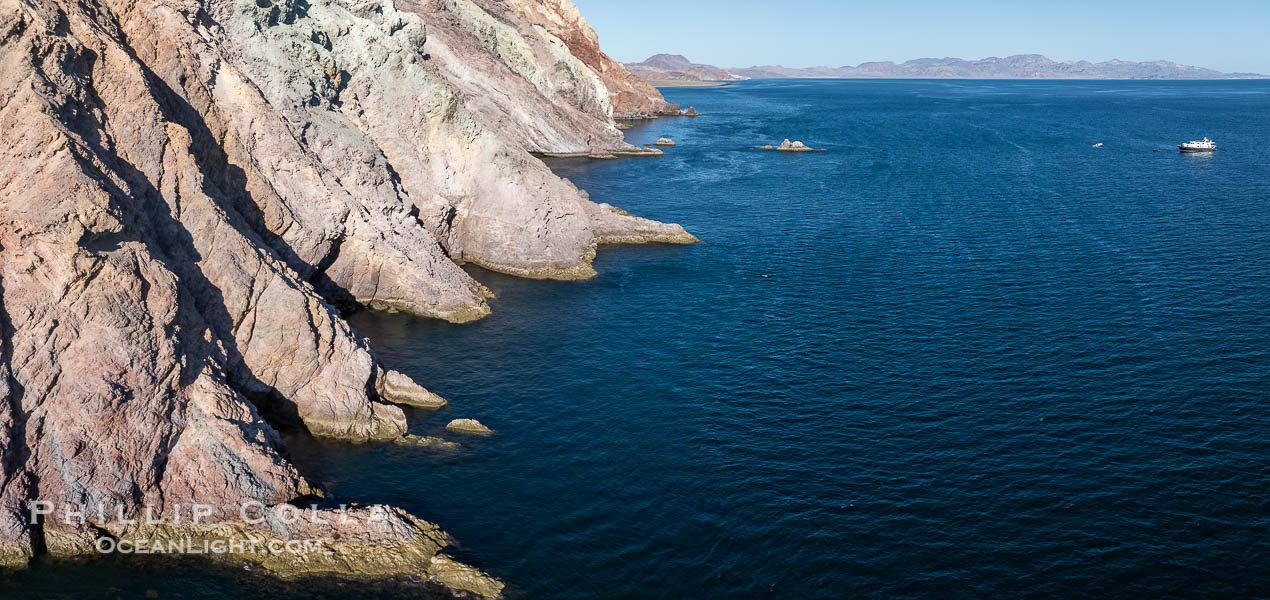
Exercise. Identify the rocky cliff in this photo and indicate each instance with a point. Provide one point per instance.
(190, 193)
(630, 96)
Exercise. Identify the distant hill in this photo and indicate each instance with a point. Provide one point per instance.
(1024, 66)
(675, 67)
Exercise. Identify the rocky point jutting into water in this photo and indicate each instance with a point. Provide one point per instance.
(191, 191)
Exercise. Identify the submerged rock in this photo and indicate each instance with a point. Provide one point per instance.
(431, 443)
(639, 152)
(468, 427)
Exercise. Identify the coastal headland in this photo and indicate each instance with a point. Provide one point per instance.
(192, 197)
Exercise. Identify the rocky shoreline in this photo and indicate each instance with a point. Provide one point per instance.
(192, 196)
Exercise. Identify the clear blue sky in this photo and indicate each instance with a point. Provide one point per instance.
(1228, 35)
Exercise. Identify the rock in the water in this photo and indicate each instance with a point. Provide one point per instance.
(400, 389)
(429, 442)
(767, 147)
(664, 142)
(458, 576)
(788, 146)
(468, 427)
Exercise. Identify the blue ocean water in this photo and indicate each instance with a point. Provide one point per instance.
(963, 353)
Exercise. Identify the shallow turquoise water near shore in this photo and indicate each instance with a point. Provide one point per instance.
(963, 353)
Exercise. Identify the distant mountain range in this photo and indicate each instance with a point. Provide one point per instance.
(666, 67)
(675, 67)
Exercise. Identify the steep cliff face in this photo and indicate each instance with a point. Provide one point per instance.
(630, 96)
(546, 100)
(189, 192)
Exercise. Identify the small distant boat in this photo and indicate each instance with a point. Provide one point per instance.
(1204, 145)
(1098, 145)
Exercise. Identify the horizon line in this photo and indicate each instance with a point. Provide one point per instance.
(996, 56)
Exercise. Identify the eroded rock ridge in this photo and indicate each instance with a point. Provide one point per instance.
(190, 194)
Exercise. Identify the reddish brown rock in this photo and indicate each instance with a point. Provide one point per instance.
(190, 193)
(140, 310)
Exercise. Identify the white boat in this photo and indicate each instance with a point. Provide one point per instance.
(1204, 145)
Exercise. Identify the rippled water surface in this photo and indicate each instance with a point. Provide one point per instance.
(962, 354)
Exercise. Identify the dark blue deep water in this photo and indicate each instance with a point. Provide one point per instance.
(962, 354)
